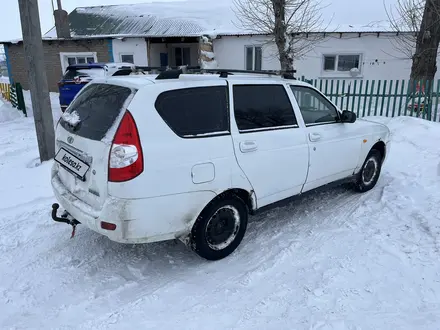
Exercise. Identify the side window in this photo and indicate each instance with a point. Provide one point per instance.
(262, 107)
(194, 111)
(315, 108)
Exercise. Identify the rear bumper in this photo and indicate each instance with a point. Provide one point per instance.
(137, 220)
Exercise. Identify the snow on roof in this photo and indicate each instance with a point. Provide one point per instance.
(172, 19)
(156, 19)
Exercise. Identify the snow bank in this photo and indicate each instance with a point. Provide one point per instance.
(54, 101)
(8, 112)
(330, 260)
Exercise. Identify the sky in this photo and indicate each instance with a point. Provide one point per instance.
(338, 11)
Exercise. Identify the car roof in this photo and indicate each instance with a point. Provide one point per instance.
(148, 79)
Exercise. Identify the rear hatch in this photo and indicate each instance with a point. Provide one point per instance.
(74, 79)
(84, 137)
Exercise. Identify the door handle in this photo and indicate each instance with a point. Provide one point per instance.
(314, 137)
(248, 146)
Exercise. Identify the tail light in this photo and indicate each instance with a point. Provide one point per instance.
(126, 160)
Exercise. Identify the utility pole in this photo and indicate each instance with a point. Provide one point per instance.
(34, 57)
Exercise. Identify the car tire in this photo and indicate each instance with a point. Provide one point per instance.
(220, 228)
(369, 174)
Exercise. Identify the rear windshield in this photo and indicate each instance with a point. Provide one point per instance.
(86, 73)
(95, 110)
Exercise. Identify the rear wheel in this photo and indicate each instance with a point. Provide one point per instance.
(220, 228)
(370, 172)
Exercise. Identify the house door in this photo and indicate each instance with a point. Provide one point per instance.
(163, 59)
(182, 56)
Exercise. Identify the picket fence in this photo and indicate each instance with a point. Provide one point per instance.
(388, 98)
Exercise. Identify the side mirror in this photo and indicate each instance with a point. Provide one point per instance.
(348, 116)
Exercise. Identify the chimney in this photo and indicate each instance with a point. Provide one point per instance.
(62, 22)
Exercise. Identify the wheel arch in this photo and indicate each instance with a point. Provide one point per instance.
(381, 147)
(248, 197)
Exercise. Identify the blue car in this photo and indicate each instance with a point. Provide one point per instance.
(79, 75)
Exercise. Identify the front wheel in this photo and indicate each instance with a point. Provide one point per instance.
(370, 172)
(220, 228)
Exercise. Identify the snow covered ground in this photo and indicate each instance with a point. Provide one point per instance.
(331, 260)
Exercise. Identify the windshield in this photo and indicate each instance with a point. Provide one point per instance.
(95, 110)
(85, 73)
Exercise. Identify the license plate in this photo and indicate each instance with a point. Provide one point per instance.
(72, 163)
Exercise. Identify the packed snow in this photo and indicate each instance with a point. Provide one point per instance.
(8, 112)
(330, 260)
(72, 118)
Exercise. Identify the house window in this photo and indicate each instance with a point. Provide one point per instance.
(80, 60)
(182, 56)
(341, 63)
(67, 59)
(127, 58)
(254, 57)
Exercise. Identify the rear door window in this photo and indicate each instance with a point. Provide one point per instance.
(97, 106)
(261, 107)
(195, 111)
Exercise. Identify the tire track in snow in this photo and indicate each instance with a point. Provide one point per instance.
(277, 256)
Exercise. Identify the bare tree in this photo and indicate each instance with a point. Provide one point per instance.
(292, 24)
(405, 17)
(418, 24)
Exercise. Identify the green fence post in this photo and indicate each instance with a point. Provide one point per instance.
(371, 97)
(376, 103)
(427, 102)
(343, 97)
(331, 91)
(359, 98)
(396, 91)
(20, 98)
(390, 90)
(421, 87)
(365, 98)
(402, 90)
(436, 100)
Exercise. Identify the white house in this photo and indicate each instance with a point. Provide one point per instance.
(374, 53)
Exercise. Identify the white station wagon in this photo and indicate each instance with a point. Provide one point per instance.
(144, 159)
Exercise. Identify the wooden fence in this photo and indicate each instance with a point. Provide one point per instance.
(388, 98)
(13, 94)
(5, 91)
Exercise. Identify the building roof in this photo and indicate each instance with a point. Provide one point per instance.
(188, 18)
(156, 19)
(172, 19)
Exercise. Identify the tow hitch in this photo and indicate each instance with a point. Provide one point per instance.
(64, 218)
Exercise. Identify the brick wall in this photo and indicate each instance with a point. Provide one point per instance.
(52, 50)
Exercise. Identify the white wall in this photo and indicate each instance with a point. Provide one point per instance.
(135, 46)
(230, 53)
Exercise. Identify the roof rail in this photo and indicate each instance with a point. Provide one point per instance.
(224, 73)
(167, 72)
